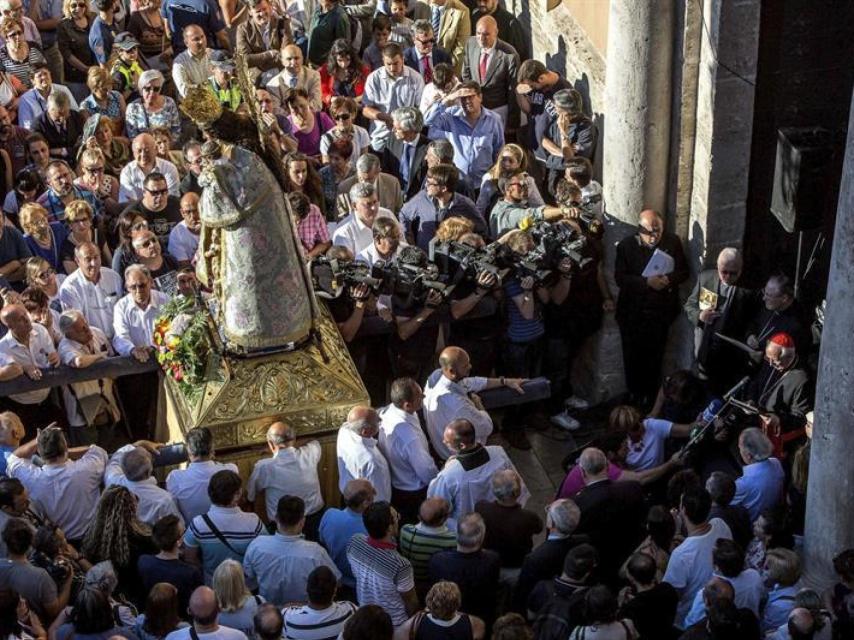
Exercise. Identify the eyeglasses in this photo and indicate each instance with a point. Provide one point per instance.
(649, 232)
(44, 275)
(14, 34)
(342, 116)
(150, 89)
(425, 41)
(95, 170)
(189, 211)
(139, 225)
(76, 5)
(79, 221)
(146, 243)
(157, 192)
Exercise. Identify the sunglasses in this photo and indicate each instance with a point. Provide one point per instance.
(146, 244)
(158, 192)
(342, 116)
(95, 170)
(648, 232)
(151, 89)
(430, 41)
(139, 225)
(79, 221)
(44, 275)
(189, 211)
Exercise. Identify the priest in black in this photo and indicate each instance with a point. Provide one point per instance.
(647, 306)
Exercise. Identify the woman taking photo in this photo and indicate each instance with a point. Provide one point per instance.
(153, 109)
(44, 238)
(103, 99)
(307, 126)
(72, 37)
(302, 177)
(343, 74)
(98, 136)
(18, 56)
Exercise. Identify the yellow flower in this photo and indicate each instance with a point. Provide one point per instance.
(173, 342)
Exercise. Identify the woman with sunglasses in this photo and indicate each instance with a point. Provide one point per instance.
(44, 238)
(153, 109)
(40, 275)
(80, 220)
(103, 99)
(72, 37)
(307, 126)
(92, 175)
(344, 74)
(17, 56)
(301, 176)
(126, 224)
(343, 111)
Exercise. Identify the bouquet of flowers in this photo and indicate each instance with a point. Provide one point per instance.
(182, 340)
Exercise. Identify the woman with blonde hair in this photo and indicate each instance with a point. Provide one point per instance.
(99, 133)
(92, 175)
(80, 219)
(237, 605)
(103, 99)
(41, 275)
(442, 618)
(453, 228)
(511, 158)
(44, 238)
(72, 37)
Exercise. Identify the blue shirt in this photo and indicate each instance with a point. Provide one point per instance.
(760, 487)
(58, 232)
(13, 246)
(519, 328)
(180, 13)
(475, 148)
(421, 217)
(56, 207)
(101, 37)
(336, 528)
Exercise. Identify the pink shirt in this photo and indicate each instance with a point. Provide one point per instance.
(573, 483)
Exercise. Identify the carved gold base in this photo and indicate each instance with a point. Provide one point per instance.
(243, 396)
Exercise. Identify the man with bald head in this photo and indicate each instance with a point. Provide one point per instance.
(647, 304)
(494, 64)
(292, 470)
(204, 611)
(719, 305)
(27, 349)
(184, 236)
(92, 289)
(612, 513)
(339, 525)
(510, 30)
(296, 75)
(145, 161)
(467, 476)
(451, 393)
(418, 542)
(358, 453)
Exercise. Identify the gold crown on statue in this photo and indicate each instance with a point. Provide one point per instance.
(201, 105)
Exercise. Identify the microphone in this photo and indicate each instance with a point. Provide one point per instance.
(729, 394)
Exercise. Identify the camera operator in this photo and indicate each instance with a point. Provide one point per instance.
(525, 330)
(477, 336)
(386, 245)
(349, 310)
(513, 207)
(413, 345)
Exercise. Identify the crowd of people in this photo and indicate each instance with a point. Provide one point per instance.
(401, 125)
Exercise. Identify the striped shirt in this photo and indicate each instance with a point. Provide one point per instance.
(520, 329)
(23, 71)
(305, 623)
(419, 542)
(237, 527)
(382, 574)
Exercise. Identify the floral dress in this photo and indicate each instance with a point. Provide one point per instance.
(138, 120)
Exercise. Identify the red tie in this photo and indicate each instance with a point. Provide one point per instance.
(483, 59)
(428, 72)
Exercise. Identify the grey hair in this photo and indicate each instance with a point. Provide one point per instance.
(471, 530)
(58, 100)
(68, 318)
(289, 435)
(137, 464)
(506, 483)
(147, 76)
(367, 162)
(362, 190)
(443, 150)
(729, 255)
(757, 444)
(408, 118)
(422, 26)
(102, 576)
(592, 461)
(140, 268)
(564, 514)
(356, 426)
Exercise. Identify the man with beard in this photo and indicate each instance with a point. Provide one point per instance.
(513, 208)
(62, 190)
(33, 103)
(161, 210)
(184, 236)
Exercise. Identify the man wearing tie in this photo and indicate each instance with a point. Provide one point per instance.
(494, 64)
(403, 154)
(451, 22)
(423, 56)
(295, 75)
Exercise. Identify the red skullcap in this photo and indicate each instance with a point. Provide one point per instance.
(783, 340)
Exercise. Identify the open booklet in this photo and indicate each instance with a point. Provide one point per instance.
(660, 264)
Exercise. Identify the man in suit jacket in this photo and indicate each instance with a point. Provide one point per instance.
(262, 36)
(296, 75)
(61, 127)
(510, 30)
(454, 26)
(612, 513)
(718, 305)
(404, 153)
(423, 55)
(368, 170)
(494, 64)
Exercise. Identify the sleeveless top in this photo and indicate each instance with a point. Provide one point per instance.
(428, 629)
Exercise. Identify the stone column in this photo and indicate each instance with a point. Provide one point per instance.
(635, 148)
(830, 518)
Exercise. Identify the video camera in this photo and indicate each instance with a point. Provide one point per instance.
(331, 276)
(554, 242)
(410, 277)
(462, 262)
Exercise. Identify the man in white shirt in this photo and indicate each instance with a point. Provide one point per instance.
(291, 471)
(26, 349)
(690, 565)
(134, 315)
(295, 75)
(355, 231)
(91, 404)
(92, 289)
(184, 237)
(131, 466)
(390, 87)
(322, 617)
(192, 66)
(450, 394)
(359, 457)
(405, 447)
(466, 477)
(68, 489)
(145, 161)
(190, 485)
(280, 564)
(204, 610)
